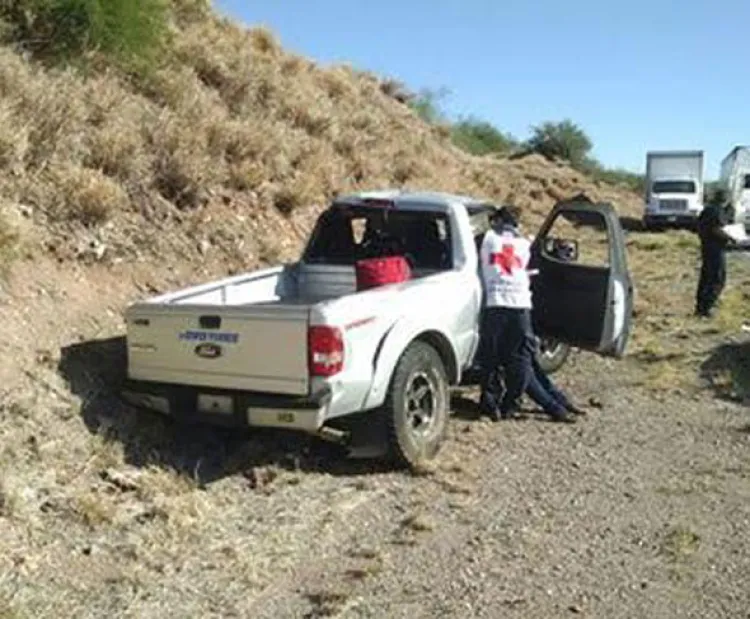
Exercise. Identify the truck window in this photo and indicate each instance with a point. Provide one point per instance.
(673, 187)
(578, 237)
(344, 235)
(746, 184)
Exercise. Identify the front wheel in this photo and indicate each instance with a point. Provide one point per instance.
(417, 406)
(552, 355)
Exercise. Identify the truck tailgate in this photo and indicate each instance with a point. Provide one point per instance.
(253, 348)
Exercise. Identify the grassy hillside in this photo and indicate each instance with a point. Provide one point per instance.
(101, 161)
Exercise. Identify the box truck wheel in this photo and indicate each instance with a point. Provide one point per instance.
(417, 406)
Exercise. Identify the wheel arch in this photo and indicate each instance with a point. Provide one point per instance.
(391, 348)
(445, 350)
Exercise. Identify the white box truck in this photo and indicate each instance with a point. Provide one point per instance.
(674, 188)
(734, 178)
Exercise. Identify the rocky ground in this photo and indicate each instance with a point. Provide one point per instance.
(641, 509)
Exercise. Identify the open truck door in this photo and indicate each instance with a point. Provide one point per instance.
(583, 293)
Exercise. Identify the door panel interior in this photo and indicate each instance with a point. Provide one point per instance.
(573, 289)
(570, 302)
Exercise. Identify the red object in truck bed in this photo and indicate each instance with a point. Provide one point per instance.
(374, 272)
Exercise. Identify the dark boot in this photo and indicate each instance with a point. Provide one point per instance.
(561, 416)
(572, 408)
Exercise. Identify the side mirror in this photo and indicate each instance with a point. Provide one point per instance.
(565, 250)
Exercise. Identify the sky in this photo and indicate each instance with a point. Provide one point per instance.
(636, 76)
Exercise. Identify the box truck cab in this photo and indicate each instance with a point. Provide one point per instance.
(734, 178)
(674, 188)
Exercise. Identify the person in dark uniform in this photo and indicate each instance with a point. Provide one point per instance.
(714, 241)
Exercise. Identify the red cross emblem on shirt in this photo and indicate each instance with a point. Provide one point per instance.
(506, 259)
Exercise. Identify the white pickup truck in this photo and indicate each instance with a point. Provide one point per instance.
(298, 347)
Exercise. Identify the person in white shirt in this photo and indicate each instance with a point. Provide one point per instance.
(506, 331)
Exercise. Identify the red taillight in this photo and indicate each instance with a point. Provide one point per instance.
(326, 350)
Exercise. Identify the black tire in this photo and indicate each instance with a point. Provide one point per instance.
(415, 435)
(552, 355)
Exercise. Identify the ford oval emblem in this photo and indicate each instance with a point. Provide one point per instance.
(208, 351)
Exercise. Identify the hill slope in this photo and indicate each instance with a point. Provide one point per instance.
(230, 126)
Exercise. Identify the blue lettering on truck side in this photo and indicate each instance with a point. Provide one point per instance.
(209, 336)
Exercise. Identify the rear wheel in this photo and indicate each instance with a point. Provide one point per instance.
(552, 354)
(417, 406)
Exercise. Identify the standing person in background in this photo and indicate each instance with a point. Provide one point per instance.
(506, 322)
(714, 241)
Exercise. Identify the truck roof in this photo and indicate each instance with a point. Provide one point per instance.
(674, 153)
(734, 151)
(404, 199)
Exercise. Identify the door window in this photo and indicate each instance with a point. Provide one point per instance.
(571, 290)
(580, 237)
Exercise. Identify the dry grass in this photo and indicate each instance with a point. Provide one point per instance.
(94, 509)
(7, 499)
(88, 196)
(419, 523)
(732, 312)
(230, 117)
(680, 543)
(674, 350)
(327, 603)
(8, 241)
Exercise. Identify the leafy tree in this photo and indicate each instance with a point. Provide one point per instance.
(480, 137)
(563, 139)
(426, 104)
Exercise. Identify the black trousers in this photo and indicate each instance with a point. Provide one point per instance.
(712, 278)
(505, 343)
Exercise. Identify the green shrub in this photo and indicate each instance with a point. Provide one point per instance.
(564, 139)
(130, 32)
(555, 140)
(480, 137)
(624, 178)
(427, 104)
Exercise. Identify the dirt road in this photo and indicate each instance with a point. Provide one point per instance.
(642, 509)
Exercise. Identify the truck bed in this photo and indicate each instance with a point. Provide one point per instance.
(243, 332)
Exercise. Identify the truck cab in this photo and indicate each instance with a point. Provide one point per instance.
(674, 188)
